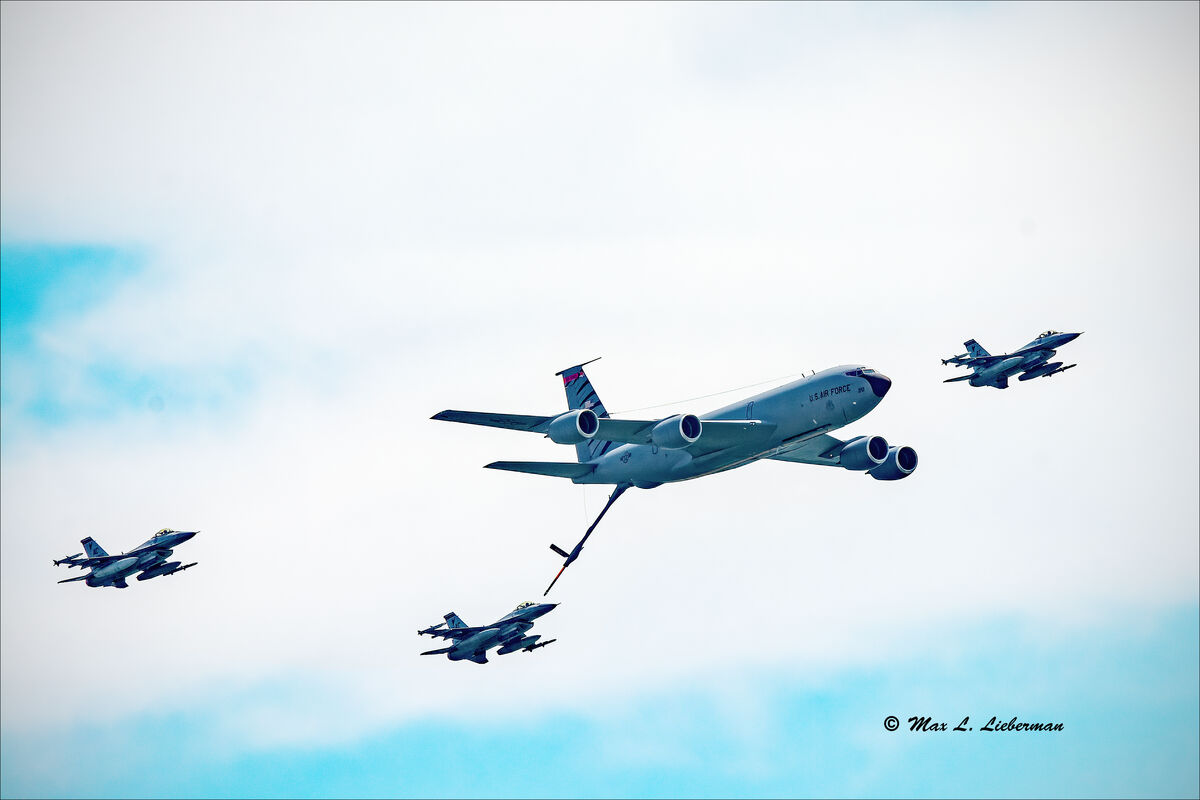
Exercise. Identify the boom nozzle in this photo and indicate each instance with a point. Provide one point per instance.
(574, 554)
(556, 577)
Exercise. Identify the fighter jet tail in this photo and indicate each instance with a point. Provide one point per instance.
(92, 548)
(975, 349)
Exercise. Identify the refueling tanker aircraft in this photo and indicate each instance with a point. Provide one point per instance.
(508, 633)
(788, 423)
(1031, 361)
(149, 559)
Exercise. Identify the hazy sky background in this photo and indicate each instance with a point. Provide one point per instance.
(248, 250)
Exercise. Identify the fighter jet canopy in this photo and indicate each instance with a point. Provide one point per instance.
(1044, 334)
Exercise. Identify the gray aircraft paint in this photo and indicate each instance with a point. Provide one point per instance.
(510, 633)
(1031, 361)
(788, 416)
(788, 423)
(149, 560)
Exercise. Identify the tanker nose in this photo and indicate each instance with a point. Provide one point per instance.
(880, 383)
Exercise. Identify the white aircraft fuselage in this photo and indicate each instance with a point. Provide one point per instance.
(799, 410)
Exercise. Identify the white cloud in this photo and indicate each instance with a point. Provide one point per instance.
(389, 210)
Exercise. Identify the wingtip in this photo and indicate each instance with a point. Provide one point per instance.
(577, 366)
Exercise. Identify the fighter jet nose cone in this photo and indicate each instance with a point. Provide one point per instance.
(880, 383)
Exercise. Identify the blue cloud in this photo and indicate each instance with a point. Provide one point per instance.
(1128, 700)
(45, 285)
(39, 283)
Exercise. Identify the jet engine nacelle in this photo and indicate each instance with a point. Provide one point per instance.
(865, 452)
(513, 647)
(158, 569)
(573, 427)
(677, 432)
(900, 463)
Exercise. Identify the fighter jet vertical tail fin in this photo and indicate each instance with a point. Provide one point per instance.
(454, 621)
(92, 549)
(975, 349)
(580, 394)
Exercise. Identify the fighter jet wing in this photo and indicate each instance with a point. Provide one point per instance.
(452, 633)
(90, 562)
(978, 362)
(822, 449)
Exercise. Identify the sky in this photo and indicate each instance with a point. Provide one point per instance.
(246, 251)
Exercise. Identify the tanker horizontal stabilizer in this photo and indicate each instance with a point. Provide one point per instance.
(552, 468)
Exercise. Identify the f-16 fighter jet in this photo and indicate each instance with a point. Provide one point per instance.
(509, 634)
(148, 559)
(789, 423)
(1032, 361)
